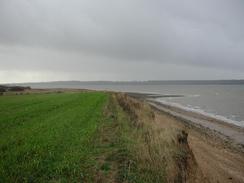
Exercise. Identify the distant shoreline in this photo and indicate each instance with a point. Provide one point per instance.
(64, 84)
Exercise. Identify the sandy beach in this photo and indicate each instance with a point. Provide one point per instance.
(226, 131)
(218, 147)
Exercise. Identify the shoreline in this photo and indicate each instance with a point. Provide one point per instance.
(165, 138)
(226, 131)
(218, 157)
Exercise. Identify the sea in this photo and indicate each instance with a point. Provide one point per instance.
(224, 101)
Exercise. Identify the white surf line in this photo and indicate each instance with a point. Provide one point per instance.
(234, 134)
(239, 124)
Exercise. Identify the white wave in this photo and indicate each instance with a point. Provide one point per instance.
(198, 110)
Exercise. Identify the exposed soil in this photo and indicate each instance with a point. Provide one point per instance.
(228, 132)
(217, 161)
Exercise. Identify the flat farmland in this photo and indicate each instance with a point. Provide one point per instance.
(45, 137)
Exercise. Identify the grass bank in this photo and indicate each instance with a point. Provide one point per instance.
(87, 137)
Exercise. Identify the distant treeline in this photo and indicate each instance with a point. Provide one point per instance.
(5, 88)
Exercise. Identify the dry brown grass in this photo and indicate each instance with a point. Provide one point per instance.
(162, 149)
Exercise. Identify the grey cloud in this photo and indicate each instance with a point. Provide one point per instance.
(204, 33)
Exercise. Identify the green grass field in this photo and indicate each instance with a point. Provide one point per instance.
(82, 137)
(46, 137)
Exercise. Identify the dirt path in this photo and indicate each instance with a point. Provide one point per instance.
(216, 160)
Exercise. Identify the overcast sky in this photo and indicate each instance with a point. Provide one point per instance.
(46, 40)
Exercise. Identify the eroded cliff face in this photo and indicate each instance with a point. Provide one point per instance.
(215, 158)
(165, 147)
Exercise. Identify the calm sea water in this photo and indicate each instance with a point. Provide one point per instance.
(222, 101)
